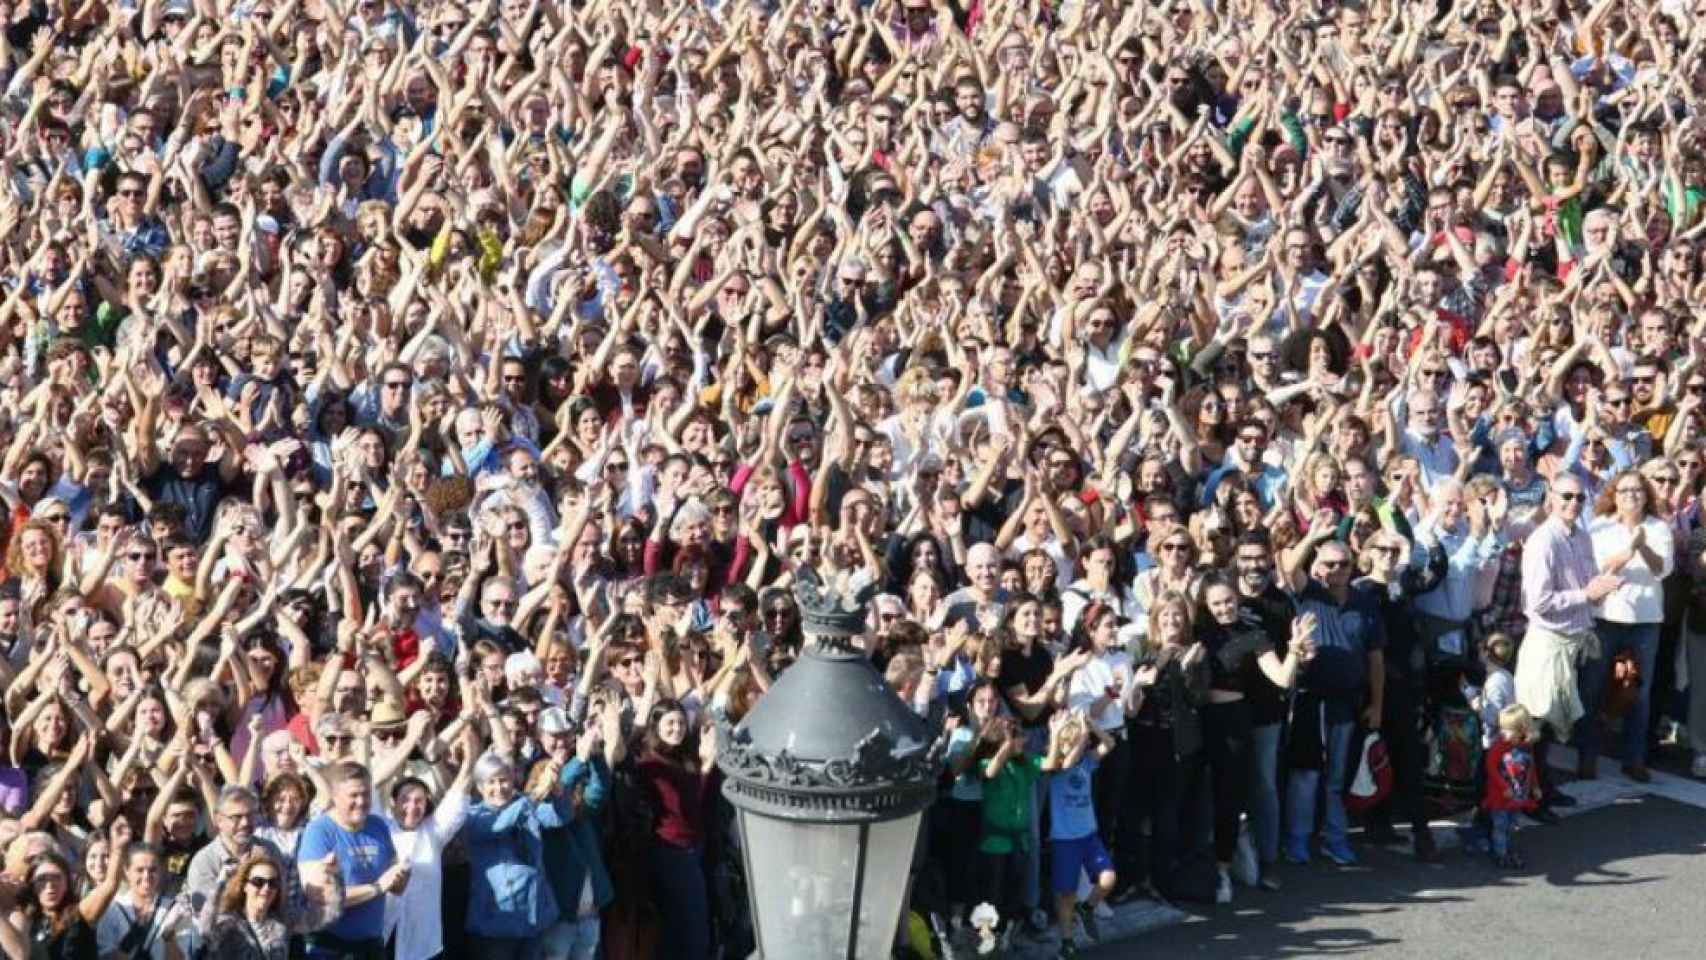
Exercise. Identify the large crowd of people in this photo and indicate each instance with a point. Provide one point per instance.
(415, 417)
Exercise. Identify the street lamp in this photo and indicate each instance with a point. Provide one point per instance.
(829, 774)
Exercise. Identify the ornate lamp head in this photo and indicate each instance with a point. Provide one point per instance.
(827, 617)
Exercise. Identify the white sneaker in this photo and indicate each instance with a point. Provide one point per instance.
(1223, 888)
(1699, 767)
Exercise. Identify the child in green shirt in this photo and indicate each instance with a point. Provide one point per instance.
(1010, 777)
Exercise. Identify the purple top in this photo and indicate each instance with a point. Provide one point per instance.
(14, 791)
(1557, 563)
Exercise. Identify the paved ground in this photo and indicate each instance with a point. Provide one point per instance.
(1622, 877)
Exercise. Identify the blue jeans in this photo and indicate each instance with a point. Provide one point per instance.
(1302, 787)
(1504, 824)
(678, 886)
(575, 939)
(1264, 790)
(1641, 639)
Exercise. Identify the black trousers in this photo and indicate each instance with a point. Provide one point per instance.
(1226, 752)
(1002, 882)
(1108, 789)
(1401, 723)
(1153, 791)
(962, 826)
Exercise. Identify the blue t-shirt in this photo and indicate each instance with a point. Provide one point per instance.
(1072, 815)
(362, 857)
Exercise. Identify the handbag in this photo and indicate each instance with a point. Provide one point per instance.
(1622, 686)
(1373, 781)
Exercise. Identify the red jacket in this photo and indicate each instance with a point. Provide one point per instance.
(1513, 781)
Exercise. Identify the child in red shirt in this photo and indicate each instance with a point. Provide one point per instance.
(1513, 781)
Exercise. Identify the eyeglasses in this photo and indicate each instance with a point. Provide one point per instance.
(388, 736)
(263, 883)
(56, 517)
(500, 603)
(1662, 480)
(616, 466)
(1175, 547)
(335, 740)
(1434, 373)
(1569, 496)
(1631, 491)
(515, 525)
(1331, 564)
(138, 557)
(396, 384)
(628, 662)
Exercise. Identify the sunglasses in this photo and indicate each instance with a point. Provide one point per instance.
(264, 883)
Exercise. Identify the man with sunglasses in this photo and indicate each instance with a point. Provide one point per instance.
(1348, 670)
(1561, 583)
(236, 816)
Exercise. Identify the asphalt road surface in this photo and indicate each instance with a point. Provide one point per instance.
(1624, 879)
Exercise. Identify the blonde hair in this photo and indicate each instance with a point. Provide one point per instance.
(1516, 723)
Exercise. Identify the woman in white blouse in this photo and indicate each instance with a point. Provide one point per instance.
(1632, 541)
(420, 830)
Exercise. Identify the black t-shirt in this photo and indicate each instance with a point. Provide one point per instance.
(1272, 612)
(1029, 671)
(175, 862)
(1233, 652)
(75, 942)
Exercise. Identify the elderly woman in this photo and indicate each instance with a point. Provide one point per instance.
(510, 904)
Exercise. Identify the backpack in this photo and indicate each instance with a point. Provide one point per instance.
(1454, 752)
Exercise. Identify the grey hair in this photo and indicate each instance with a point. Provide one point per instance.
(495, 582)
(237, 792)
(691, 512)
(490, 765)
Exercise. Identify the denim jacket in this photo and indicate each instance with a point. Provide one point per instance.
(574, 853)
(510, 895)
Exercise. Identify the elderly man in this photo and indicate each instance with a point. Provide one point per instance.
(1560, 585)
(1468, 530)
(235, 816)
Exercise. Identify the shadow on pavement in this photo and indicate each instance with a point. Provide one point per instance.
(1570, 896)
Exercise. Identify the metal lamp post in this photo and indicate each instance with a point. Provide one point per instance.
(830, 774)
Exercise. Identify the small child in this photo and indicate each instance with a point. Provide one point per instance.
(1010, 778)
(1496, 693)
(1075, 748)
(1513, 782)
